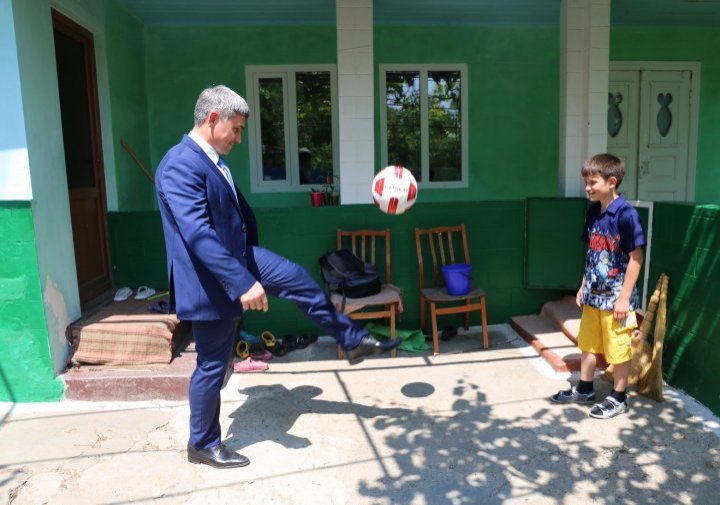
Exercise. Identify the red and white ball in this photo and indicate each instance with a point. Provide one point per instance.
(394, 189)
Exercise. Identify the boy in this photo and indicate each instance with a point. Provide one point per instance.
(607, 295)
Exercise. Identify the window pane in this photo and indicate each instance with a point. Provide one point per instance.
(272, 129)
(314, 126)
(402, 100)
(444, 124)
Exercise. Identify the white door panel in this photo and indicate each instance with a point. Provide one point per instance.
(653, 108)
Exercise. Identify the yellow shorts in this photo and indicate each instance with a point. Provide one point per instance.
(600, 333)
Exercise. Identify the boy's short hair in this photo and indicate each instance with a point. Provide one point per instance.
(605, 165)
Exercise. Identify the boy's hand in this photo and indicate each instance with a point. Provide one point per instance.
(621, 309)
(578, 298)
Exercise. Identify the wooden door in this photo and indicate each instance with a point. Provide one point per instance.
(623, 117)
(664, 135)
(77, 84)
(649, 128)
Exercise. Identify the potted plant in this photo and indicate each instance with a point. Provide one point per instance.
(330, 194)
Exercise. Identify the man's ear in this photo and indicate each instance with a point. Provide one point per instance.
(213, 118)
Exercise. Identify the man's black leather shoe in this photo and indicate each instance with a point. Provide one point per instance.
(218, 457)
(368, 346)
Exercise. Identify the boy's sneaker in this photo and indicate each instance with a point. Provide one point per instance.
(609, 407)
(572, 396)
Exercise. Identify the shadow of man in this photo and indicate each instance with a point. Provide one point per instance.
(271, 411)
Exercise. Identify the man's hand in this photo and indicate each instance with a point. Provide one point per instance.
(254, 298)
(621, 309)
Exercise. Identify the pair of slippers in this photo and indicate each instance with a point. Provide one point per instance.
(124, 293)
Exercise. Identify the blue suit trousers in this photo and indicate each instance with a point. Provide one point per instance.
(214, 340)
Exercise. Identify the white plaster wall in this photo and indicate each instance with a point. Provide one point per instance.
(355, 98)
(50, 203)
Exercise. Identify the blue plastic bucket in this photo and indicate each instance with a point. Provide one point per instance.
(457, 278)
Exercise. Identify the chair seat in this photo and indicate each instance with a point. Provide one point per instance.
(441, 294)
(388, 294)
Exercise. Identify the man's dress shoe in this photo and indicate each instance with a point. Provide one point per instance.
(368, 346)
(218, 457)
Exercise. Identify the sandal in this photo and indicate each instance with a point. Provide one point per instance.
(144, 292)
(122, 294)
(278, 350)
(448, 333)
(261, 355)
(290, 342)
(268, 339)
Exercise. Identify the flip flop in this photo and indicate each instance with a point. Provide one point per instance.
(249, 337)
(122, 294)
(144, 292)
(263, 355)
(290, 342)
(161, 307)
(249, 365)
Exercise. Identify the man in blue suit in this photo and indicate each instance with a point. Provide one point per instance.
(216, 268)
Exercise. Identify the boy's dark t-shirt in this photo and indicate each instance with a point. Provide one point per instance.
(611, 236)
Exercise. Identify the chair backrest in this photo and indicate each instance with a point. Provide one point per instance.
(442, 245)
(367, 245)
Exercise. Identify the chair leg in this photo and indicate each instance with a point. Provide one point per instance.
(484, 323)
(393, 353)
(467, 315)
(422, 312)
(341, 353)
(433, 319)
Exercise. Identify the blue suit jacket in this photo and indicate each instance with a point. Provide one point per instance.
(208, 235)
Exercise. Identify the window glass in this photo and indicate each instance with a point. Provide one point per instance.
(272, 129)
(402, 100)
(444, 125)
(314, 126)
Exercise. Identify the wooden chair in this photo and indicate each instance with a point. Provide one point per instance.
(387, 304)
(441, 244)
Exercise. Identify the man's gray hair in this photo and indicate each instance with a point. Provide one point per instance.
(222, 100)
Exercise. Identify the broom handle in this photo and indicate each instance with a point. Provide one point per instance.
(142, 167)
(650, 313)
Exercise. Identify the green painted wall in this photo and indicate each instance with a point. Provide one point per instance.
(514, 135)
(181, 61)
(685, 44)
(686, 246)
(26, 370)
(513, 102)
(125, 37)
(495, 233)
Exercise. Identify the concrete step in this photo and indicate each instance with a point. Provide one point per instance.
(565, 315)
(552, 344)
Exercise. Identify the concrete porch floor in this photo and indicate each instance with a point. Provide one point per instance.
(468, 426)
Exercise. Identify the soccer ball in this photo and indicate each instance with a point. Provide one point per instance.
(394, 189)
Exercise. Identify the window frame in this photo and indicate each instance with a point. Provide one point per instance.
(253, 73)
(423, 70)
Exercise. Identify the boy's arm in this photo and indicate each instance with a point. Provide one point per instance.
(622, 305)
(578, 296)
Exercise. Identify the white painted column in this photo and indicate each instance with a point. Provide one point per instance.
(355, 97)
(584, 72)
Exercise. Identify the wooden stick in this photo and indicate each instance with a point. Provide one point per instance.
(142, 167)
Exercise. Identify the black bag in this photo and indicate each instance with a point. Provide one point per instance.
(348, 275)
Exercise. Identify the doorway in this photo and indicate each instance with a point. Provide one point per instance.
(79, 111)
(651, 124)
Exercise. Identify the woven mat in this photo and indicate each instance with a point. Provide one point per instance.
(125, 333)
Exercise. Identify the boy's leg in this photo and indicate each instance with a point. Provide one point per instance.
(590, 343)
(618, 352)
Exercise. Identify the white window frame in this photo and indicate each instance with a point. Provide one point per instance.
(287, 73)
(424, 126)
